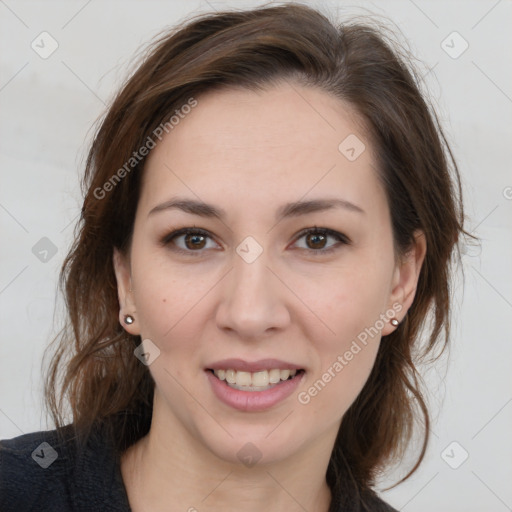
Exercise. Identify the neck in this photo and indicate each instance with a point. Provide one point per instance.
(164, 471)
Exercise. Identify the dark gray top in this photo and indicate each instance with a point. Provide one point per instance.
(38, 473)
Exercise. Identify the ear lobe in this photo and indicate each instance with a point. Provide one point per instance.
(124, 290)
(405, 278)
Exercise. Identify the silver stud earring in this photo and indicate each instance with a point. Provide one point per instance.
(394, 322)
(128, 319)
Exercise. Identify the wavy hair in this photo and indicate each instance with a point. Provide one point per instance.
(93, 369)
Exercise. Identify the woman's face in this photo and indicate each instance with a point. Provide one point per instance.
(252, 286)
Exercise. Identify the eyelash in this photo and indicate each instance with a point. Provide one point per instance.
(343, 239)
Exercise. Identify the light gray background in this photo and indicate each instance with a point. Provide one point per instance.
(48, 107)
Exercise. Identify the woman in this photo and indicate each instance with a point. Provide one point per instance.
(270, 214)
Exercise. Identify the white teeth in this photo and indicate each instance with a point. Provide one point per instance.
(263, 379)
(260, 378)
(243, 379)
(230, 376)
(285, 374)
(274, 376)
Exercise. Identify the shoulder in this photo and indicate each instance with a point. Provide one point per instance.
(47, 470)
(376, 504)
(371, 502)
(33, 470)
(359, 500)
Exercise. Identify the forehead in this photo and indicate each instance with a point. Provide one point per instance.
(284, 141)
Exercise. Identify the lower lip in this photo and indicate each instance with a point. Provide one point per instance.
(253, 400)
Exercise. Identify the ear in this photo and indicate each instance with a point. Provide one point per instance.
(125, 292)
(405, 280)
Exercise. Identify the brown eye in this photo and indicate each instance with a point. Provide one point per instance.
(189, 240)
(316, 240)
(194, 241)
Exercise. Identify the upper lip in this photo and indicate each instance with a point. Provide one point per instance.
(253, 366)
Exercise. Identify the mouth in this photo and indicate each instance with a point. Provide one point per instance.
(253, 386)
(262, 380)
(267, 385)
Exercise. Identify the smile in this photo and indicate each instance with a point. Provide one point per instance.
(275, 385)
(254, 381)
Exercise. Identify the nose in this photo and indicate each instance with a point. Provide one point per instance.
(253, 302)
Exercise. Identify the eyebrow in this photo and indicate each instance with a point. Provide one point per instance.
(293, 209)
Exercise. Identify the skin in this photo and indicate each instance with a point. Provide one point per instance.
(249, 153)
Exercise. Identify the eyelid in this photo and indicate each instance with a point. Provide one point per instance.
(324, 231)
(167, 239)
(341, 237)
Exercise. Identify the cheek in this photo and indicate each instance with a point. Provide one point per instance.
(345, 360)
(351, 307)
(354, 299)
(172, 306)
(165, 297)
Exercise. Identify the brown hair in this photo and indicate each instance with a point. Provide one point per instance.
(94, 368)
